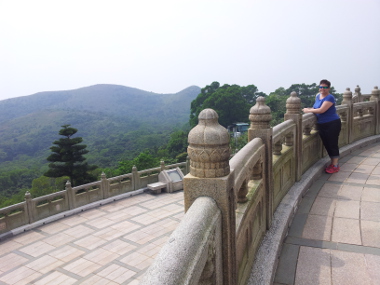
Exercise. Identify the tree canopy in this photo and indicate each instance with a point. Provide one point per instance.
(67, 158)
(231, 102)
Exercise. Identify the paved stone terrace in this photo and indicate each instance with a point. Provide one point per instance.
(334, 238)
(111, 244)
(335, 235)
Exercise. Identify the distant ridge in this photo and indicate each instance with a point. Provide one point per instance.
(115, 121)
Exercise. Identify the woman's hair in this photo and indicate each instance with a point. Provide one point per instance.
(326, 82)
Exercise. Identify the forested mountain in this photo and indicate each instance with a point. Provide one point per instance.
(115, 121)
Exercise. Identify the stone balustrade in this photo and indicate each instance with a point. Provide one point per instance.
(249, 187)
(39, 208)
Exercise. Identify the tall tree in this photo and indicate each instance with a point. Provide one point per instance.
(68, 158)
(231, 102)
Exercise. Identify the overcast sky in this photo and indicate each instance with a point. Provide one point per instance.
(165, 46)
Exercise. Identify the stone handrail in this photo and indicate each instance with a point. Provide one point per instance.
(248, 188)
(189, 257)
(35, 209)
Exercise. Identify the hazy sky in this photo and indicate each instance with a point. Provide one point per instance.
(165, 46)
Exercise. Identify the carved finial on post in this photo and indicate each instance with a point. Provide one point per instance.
(375, 94)
(260, 116)
(208, 148)
(162, 165)
(347, 97)
(293, 104)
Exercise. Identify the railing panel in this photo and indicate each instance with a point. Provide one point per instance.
(251, 227)
(120, 184)
(50, 205)
(193, 252)
(87, 193)
(364, 121)
(13, 216)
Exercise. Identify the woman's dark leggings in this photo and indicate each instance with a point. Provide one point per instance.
(329, 133)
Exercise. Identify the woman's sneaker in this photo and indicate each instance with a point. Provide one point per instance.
(332, 169)
(328, 167)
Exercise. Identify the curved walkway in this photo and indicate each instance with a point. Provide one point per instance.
(335, 235)
(111, 244)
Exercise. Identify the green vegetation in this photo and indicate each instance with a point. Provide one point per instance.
(67, 158)
(122, 127)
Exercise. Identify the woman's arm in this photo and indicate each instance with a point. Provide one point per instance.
(325, 106)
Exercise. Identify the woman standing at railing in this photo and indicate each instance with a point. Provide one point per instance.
(328, 123)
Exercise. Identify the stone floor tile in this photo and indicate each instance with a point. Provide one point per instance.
(66, 253)
(150, 250)
(118, 216)
(363, 168)
(152, 204)
(101, 256)
(349, 268)
(125, 227)
(323, 206)
(371, 194)
(348, 167)
(346, 231)
(58, 239)
(21, 275)
(137, 260)
(318, 227)
(97, 280)
(79, 231)
(117, 273)
(371, 161)
(90, 242)
(92, 214)
(108, 234)
(134, 211)
(347, 209)
(73, 220)
(119, 247)
(28, 237)
(56, 278)
(82, 267)
(371, 233)
(44, 264)
(357, 177)
(8, 246)
(54, 227)
(287, 265)
(356, 159)
(373, 266)
(376, 170)
(100, 222)
(370, 211)
(313, 266)
(139, 237)
(329, 190)
(340, 176)
(349, 192)
(10, 261)
(373, 180)
(37, 248)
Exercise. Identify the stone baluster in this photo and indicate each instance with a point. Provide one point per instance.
(358, 94)
(29, 207)
(162, 165)
(260, 117)
(375, 96)
(135, 178)
(347, 100)
(104, 186)
(70, 195)
(210, 175)
(293, 112)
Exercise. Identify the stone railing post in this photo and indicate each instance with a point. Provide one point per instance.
(375, 96)
(135, 178)
(358, 94)
(70, 195)
(260, 117)
(29, 207)
(347, 100)
(210, 176)
(293, 112)
(162, 165)
(104, 186)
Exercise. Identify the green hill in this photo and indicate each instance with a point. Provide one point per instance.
(114, 121)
